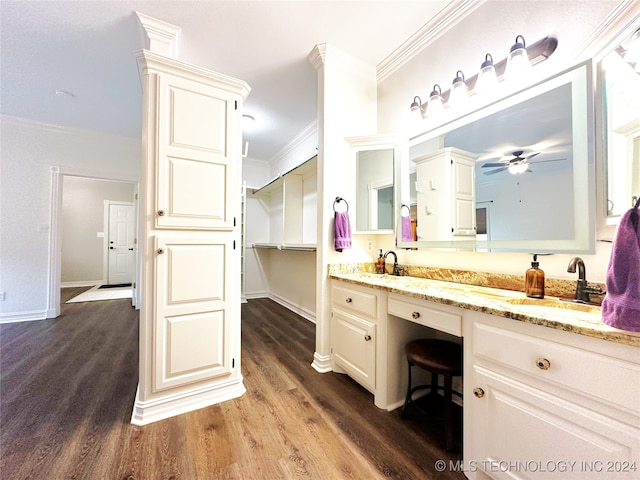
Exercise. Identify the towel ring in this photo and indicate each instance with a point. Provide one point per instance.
(405, 206)
(338, 200)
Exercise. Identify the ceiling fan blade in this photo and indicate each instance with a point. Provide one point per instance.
(532, 155)
(493, 164)
(497, 170)
(552, 160)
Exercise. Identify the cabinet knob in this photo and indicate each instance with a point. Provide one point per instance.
(478, 392)
(415, 315)
(160, 251)
(161, 213)
(543, 364)
(367, 338)
(348, 300)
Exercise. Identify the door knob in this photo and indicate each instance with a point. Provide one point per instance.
(112, 248)
(367, 338)
(478, 392)
(161, 213)
(160, 251)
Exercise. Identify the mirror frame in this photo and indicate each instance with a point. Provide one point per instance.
(581, 77)
(377, 142)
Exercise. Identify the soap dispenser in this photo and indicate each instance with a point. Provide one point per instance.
(380, 265)
(534, 280)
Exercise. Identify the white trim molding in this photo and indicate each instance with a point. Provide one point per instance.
(444, 21)
(168, 406)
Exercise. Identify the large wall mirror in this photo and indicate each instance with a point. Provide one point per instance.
(375, 186)
(517, 175)
(621, 101)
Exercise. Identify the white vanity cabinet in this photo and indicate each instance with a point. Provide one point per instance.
(354, 317)
(542, 404)
(445, 189)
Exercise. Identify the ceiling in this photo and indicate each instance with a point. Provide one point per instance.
(86, 48)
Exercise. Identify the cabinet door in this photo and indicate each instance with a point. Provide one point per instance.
(195, 147)
(521, 432)
(464, 211)
(353, 347)
(194, 306)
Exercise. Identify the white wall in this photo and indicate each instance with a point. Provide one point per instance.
(492, 28)
(82, 218)
(28, 150)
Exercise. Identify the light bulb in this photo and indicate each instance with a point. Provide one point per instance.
(518, 64)
(487, 79)
(435, 107)
(518, 168)
(459, 93)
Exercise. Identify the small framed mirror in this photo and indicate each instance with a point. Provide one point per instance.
(374, 158)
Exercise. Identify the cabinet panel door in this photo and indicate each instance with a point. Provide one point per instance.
(194, 153)
(353, 345)
(194, 280)
(520, 432)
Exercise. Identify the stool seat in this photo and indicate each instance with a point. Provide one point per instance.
(437, 356)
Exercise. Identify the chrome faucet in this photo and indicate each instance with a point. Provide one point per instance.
(583, 290)
(396, 268)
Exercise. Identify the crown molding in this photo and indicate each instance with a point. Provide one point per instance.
(442, 22)
(306, 133)
(617, 26)
(318, 55)
(159, 37)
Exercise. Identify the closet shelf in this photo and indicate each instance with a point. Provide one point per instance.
(287, 246)
(275, 184)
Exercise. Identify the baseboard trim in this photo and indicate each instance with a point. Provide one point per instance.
(168, 406)
(302, 311)
(321, 363)
(24, 316)
(81, 284)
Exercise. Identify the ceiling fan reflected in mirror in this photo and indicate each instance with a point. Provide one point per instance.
(516, 165)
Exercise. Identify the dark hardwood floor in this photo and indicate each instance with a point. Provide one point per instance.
(67, 388)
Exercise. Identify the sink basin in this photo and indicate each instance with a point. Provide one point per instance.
(568, 304)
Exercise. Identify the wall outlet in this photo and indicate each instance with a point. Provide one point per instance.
(3, 296)
(369, 245)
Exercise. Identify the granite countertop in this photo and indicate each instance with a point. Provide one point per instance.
(549, 312)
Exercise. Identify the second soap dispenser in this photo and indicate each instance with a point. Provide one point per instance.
(534, 280)
(380, 265)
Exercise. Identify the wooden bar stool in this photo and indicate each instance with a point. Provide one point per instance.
(439, 357)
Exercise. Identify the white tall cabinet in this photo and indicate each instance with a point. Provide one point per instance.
(190, 314)
(445, 188)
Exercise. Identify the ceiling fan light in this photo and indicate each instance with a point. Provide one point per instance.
(518, 168)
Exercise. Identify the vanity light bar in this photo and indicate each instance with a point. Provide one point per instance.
(538, 52)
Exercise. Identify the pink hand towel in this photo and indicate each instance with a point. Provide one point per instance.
(407, 233)
(341, 231)
(621, 304)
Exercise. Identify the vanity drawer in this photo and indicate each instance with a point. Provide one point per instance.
(611, 379)
(424, 313)
(355, 300)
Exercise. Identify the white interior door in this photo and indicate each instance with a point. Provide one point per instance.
(121, 243)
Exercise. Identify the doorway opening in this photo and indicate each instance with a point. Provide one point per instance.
(80, 233)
